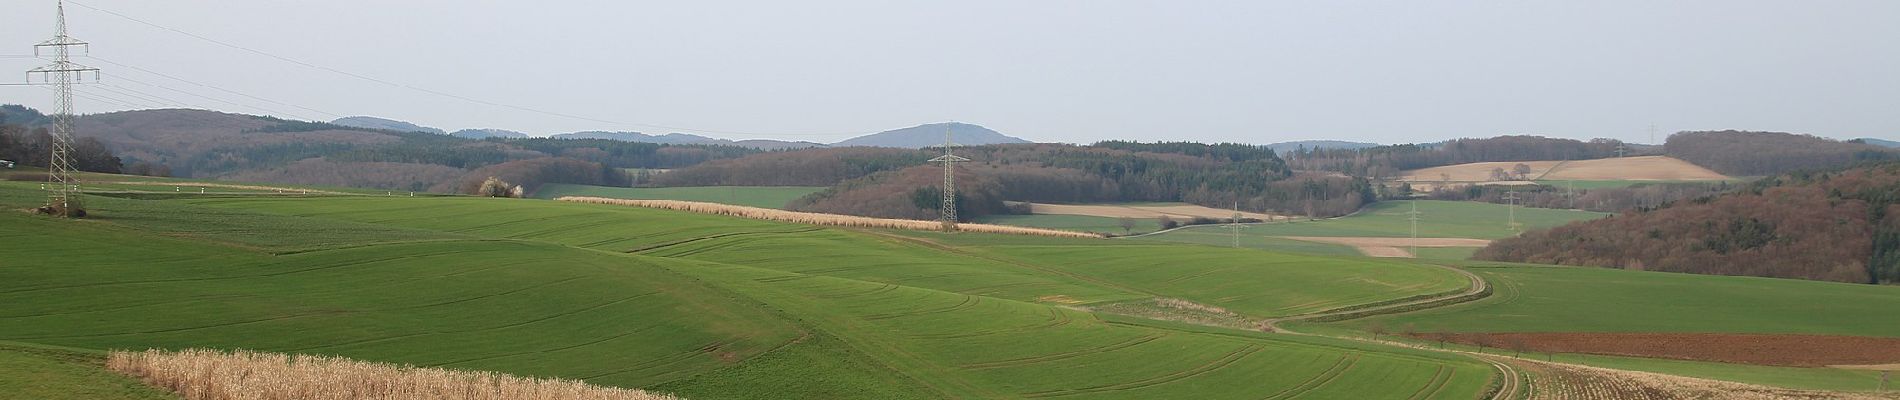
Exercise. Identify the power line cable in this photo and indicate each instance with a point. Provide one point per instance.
(212, 87)
(440, 93)
(128, 94)
(188, 93)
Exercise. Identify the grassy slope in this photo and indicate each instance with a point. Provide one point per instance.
(39, 372)
(405, 290)
(1450, 219)
(1577, 299)
(1084, 223)
(753, 196)
(520, 307)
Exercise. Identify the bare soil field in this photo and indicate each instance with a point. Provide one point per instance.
(1139, 211)
(1781, 350)
(1391, 247)
(1576, 382)
(1646, 168)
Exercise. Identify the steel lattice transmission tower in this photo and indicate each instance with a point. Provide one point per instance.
(1235, 225)
(1413, 216)
(949, 160)
(62, 186)
(1513, 198)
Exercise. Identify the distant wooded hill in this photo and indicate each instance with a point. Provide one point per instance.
(899, 183)
(1878, 142)
(1743, 153)
(1841, 226)
(207, 144)
(1386, 161)
(1303, 145)
(920, 136)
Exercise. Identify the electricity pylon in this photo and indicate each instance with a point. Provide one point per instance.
(1234, 224)
(949, 160)
(1512, 198)
(62, 186)
(1413, 216)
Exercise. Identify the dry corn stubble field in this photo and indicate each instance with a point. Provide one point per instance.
(203, 374)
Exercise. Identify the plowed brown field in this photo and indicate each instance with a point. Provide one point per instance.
(1784, 350)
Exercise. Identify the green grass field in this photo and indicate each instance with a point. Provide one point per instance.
(716, 307)
(1437, 219)
(704, 306)
(41, 372)
(1084, 223)
(1580, 299)
(752, 196)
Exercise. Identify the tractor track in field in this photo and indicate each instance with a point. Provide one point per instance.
(1510, 384)
(722, 235)
(1065, 355)
(1211, 366)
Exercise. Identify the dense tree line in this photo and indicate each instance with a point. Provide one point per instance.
(1741, 153)
(1841, 226)
(33, 148)
(530, 174)
(804, 167)
(1383, 162)
(909, 193)
(1216, 175)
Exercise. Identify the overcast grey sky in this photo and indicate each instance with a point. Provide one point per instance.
(1065, 71)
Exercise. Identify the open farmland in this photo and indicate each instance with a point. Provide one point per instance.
(1079, 223)
(750, 196)
(1442, 223)
(40, 372)
(464, 282)
(1645, 168)
(1141, 210)
(1550, 304)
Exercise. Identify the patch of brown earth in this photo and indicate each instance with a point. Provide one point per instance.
(1551, 381)
(1759, 349)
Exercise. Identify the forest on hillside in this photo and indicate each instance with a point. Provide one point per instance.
(898, 183)
(206, 144)
(1840, 225)
(1383, 162)
(1743, 153)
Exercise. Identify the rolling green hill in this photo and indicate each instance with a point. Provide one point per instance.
(704, 306)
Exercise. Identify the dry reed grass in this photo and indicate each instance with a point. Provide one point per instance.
(823, 219)
(200, 374)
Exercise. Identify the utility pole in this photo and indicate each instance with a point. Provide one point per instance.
(949, 205)
(1512, 198)
(1413, 216)
(63, 187)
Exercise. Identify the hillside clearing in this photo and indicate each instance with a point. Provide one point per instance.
(1644, 168)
